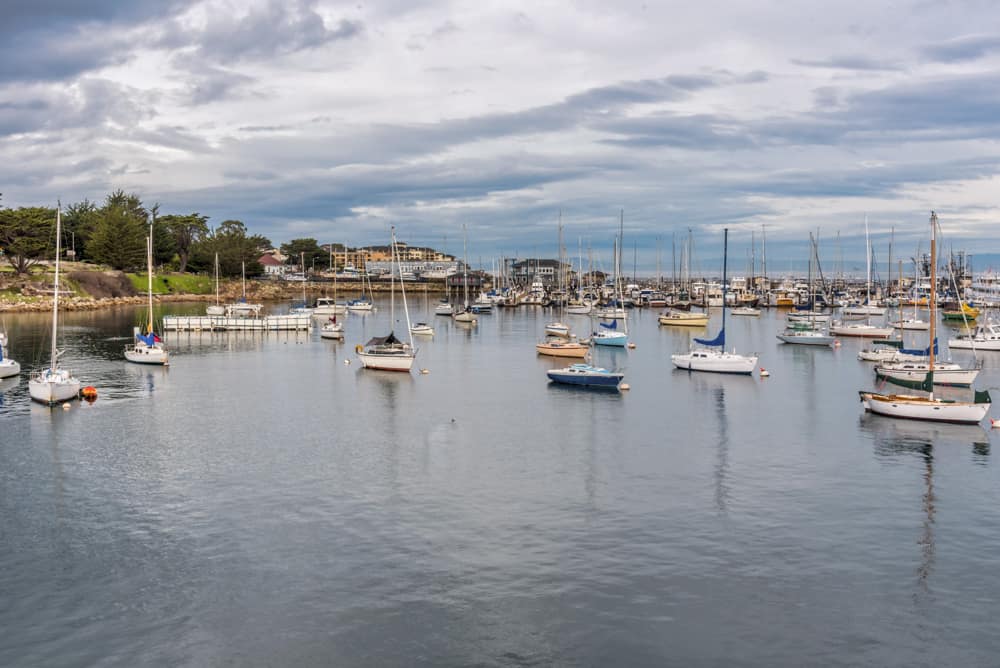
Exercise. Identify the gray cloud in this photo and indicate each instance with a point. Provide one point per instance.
(277, 28)
(856, 62)
(967, 47)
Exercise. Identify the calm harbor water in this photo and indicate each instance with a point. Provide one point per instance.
(262, 503)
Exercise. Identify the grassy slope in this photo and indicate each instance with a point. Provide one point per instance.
(174, 283)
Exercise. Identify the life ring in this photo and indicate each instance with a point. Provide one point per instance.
(358, 348)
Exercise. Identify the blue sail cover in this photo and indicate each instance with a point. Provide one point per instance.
(613, 325)
(916, 351)
(719, 340)
(148, 339)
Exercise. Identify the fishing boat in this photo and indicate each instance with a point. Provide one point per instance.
(918, 407)
(8, 367)
(54, 384)
(328, 306)
(587, 376)
(983, 337)
(216, 308)
(713, 357)
(806, 337)
(745, 310)
(421, 329)
(147, 348)
(387, 352)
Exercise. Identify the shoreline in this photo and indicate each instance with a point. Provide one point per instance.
(263, 291)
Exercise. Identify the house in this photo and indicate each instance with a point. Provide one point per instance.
(272, 267)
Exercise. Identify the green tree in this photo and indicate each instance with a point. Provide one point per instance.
(78, 223)
(26, 236)
(119, 236)
(234, 246)
(185, 232)
(296, 249)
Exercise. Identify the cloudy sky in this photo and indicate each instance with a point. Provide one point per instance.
(334, 121)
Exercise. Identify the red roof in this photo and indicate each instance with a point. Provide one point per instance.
(268, 260)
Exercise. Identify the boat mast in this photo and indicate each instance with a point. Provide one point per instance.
(402, 287)
(55, 296)
(933, 305)
(149, 272)
(868, 264)
(725, 258)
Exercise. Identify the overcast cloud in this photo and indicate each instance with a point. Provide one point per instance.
(330, 120)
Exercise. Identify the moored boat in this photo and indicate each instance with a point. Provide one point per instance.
(587, 376)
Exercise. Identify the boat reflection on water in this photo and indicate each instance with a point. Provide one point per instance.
(895, 438)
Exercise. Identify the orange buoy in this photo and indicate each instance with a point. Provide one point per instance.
(89, 393)
(764, 373)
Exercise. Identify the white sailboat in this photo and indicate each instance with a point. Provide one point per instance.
(917, 407)
(216, 308)
(714, 357)
(608, 334)
(870, 307)
(241, 308)
(332, 329)
(387, 352)
(146, 348)
(54, 385)
(464, 314)
(8, 367)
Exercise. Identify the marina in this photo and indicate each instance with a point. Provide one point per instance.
(365, 503)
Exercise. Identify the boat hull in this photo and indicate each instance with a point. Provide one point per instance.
(608, 380)
(387, 361)
(684, 319)
(562, 349)
(804, 339)
(909, 407)
(616, 340)
(143, 354)
(715, 362)
(862, 331)
(8, 368)
(52, 389)
(914, 373)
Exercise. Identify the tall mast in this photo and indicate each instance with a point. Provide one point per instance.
(55, 297)
(868, 264)
(149, 273)
(725, 258)
(933, 304)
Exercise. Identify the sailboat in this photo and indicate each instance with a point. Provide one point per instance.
(914, 323)
(608, 334)
(558, 327)
(710, 358)
(54, 385)
(362, 303)
(216, 308)
(807, 332)
(147, 348)
(8, 367)
(241, 308)
(422, 328)
(302, 308)
(916, 407)
(870, 307)
(464, 314)
(387, 352)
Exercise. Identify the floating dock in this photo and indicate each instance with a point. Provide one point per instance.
(221, 323)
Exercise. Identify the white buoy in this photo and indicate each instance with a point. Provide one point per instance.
(764, 373)
(625, 387)
(425, 371)
(995, 424)
(631, 346)
(347, 361)
(65, 407)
